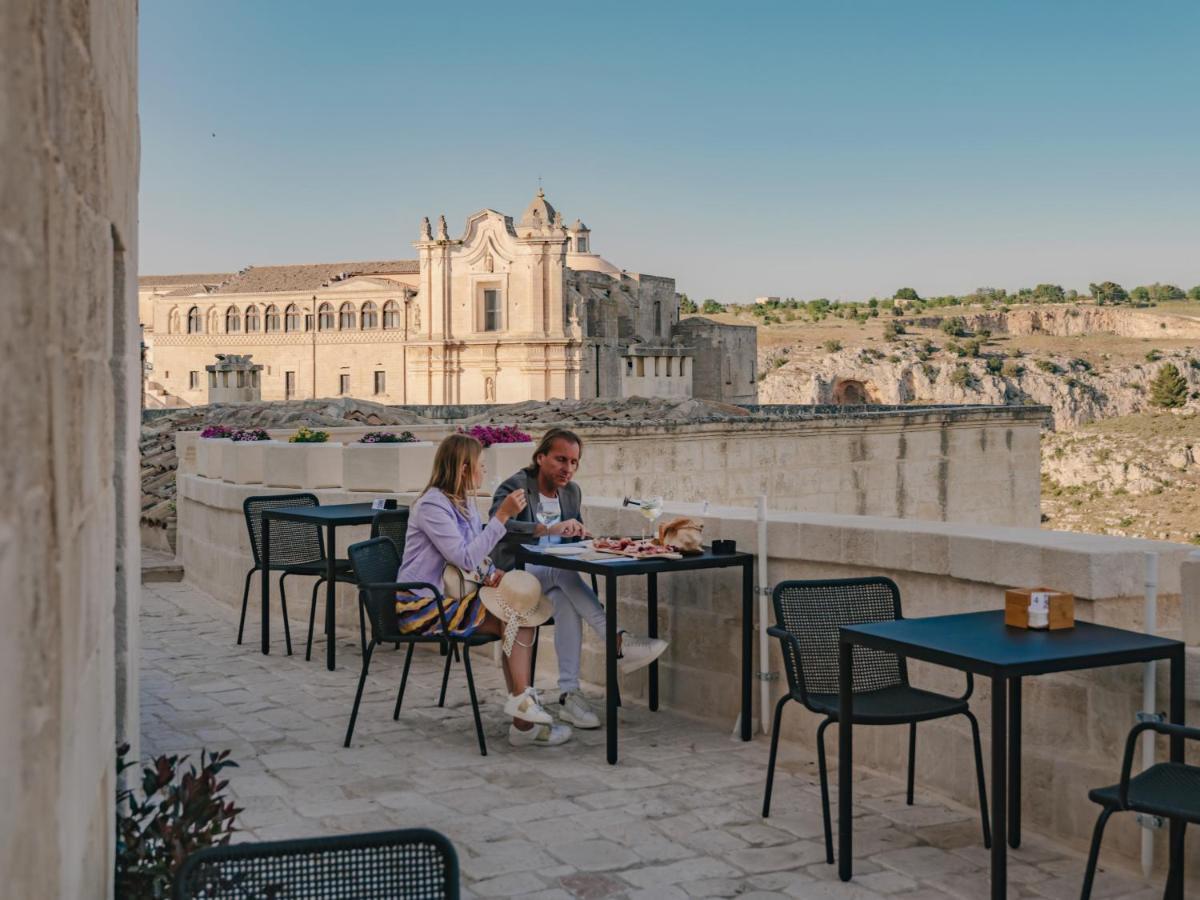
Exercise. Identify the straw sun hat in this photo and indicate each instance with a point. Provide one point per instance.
(517, 601)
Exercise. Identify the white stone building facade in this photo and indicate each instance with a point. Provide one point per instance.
(506, 312)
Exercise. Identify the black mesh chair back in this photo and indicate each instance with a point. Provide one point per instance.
(391, 523)
(812, 611)
(377, 562)
(412, 863)
(291, 542)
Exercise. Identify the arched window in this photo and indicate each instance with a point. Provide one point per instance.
(233, 320)
(252, 318)
(173, 321)
(194, 326)
(325, 317)
(391, 315)
(291, 318)
(272, 318)
(346, 317)
(370, 315)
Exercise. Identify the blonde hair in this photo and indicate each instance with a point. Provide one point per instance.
(454, 467)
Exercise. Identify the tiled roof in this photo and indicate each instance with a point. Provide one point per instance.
(167, 280)
(264, 279)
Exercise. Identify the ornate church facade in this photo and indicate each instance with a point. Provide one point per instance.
(504, 313)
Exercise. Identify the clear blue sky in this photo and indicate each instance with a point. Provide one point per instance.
(801, 149)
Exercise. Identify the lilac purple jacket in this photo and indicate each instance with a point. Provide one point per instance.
(439, 533)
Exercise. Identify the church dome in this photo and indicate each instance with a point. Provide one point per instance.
(539, 213)
(577, 226)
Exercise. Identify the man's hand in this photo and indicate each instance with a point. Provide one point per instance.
(572, 528)
(494, 579)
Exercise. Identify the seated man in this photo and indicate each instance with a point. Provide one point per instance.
(552, 513)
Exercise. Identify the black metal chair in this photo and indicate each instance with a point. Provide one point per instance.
(296, 549)
(1170, 790)
(414, 863)
(808, 615)
(391, 523)
(376, 563)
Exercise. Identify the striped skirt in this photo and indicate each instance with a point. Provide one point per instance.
(419, 615)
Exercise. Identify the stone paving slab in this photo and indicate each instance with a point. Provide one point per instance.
(677, 818)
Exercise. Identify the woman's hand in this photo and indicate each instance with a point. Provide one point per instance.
(494, 579)
(572, 528)
(512, 505)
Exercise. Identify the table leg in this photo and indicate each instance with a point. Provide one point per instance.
(1014, 762)
(845, 759)
(999, 788)
(610, 664)
(265, 576)
(1176, 748)
(330, 596)
(748, 648)
(652, 631)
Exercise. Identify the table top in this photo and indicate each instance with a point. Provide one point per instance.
(980, 642)
(529, 555)
(332, 514)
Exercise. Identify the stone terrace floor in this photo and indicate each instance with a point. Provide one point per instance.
(677, 817)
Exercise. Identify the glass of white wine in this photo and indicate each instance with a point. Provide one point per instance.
(652, 508)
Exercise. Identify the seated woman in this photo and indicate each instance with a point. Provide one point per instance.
(444, 527)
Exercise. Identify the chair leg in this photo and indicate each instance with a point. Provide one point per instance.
(1094, 853)
(312, 618)
(982, 783)
(824, 771)
(362, 624)
(287, 630)
(912, 759)
(403, 681)
(466, 658)
(1174, 878)
(446, 677)
(362, 680)
(771, 759)
(537, 635)
(245, 600)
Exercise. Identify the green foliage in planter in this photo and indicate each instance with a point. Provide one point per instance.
(388, 437)
(1168, 389)
(173, 814)
(307, 435)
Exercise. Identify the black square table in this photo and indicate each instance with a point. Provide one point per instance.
(330, 518)
(981, 643)
(612, 569)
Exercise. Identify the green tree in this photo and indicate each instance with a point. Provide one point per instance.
(686, 305)
(955, 326)
(1169, 388)
(1161, 293)
(1108, 292)
(1194, 293)
(1049, 293)
(906, 293)
(1141, 294)
(710, 307)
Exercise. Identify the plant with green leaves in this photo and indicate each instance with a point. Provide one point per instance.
(1169, 389)
(306, 435)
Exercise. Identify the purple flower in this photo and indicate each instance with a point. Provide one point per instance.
(388, 437)
(497, 434)
(250, 434)
(217, 431)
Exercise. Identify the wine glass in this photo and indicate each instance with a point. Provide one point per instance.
(652, 508)
(547, 516)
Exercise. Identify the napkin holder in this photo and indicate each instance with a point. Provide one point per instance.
(1039, 608)
(724, 548)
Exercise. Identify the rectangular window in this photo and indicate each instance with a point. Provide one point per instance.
(380, 382)
(668, 366)
(289, 385)
(194, 380)
(681, 362)
(656, 367)
(491, 310)
(343, 384)
(641, 367)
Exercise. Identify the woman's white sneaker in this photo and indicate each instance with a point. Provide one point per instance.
(539, 736)
(573, 707)
(638, 652)
(527, 706)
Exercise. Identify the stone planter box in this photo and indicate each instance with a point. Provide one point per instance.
(503, 460)
(307, 466)
(210, 453)
(390, 468)
(242, 462)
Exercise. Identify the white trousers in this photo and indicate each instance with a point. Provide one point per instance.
(574, 603)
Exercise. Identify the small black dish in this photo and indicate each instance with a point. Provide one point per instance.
(724, 548)
(390, 503)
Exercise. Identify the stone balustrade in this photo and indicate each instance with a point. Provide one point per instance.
(1074, 724)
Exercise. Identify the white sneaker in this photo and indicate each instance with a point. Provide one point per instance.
(573, 707)
(638, 652)
(527, 706)
(539, 736)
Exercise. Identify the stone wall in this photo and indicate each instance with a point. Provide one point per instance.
(1074, 724)
(726, 359)
(69, 557)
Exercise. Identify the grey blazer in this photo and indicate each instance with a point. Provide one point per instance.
(520, 528)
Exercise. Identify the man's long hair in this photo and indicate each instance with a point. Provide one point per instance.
(453, 467)
(547, 442)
